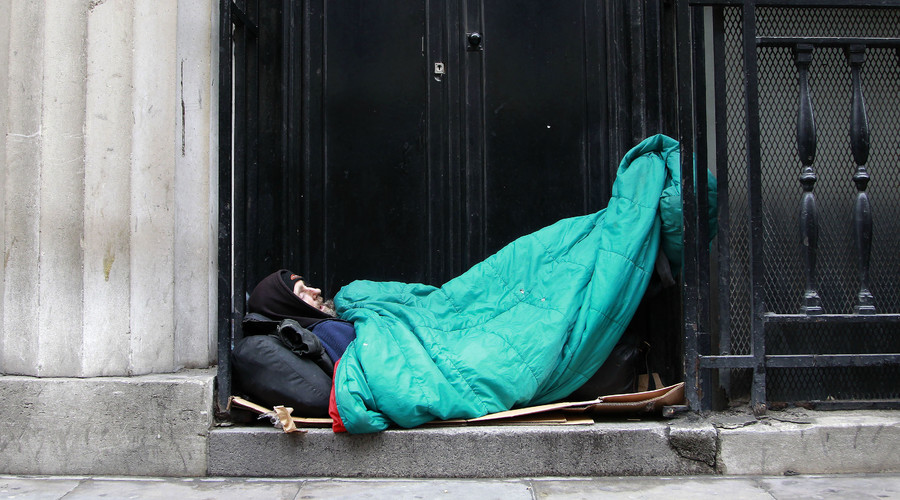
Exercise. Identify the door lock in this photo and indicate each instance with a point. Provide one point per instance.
(474, 41)
(439, 71)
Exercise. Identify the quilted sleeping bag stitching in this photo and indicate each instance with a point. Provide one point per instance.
(526, 326)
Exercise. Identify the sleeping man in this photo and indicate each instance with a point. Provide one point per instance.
(526, 326)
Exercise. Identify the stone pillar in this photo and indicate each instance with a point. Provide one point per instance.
(108, 163)
(4, 112)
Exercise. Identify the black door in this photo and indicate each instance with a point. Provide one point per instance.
(408, 139)
(373, 194)
(432, 133)
(538, 118)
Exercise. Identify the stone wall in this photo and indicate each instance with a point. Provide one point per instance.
(108, 166)
(144, 425)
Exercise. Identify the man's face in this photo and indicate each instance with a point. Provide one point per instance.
(312, 296)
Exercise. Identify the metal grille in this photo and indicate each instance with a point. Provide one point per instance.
(737, 177)
(835, 192)
(835, 383)
(827, 22)
(832, 384)
(739, 243)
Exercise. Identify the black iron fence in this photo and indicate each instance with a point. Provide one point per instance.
(795, 106)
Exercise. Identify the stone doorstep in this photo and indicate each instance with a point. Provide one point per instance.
(154, 425)
(735, 443)
(620, 448)
(162, 425)
(809, 442)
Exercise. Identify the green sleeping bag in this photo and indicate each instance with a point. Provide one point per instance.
(526, 326)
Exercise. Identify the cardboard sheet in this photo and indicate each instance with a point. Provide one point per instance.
(262, 410)
(564, 413)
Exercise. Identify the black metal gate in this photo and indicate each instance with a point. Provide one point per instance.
(795, 106)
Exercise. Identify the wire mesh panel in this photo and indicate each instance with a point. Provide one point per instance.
(829, 80)
(833, 383)
(824, 83)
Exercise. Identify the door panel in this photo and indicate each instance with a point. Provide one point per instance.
(375, 178)
(535, 116)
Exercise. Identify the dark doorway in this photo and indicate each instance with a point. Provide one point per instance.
(408, 140)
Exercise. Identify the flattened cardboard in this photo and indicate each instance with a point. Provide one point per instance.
(640, 402)
(531, 410)
(564, 413)
(262, 410)
(524, 416)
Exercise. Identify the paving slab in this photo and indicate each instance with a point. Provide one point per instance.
(669, 488)
(874, 487)
(27, 488)
(484, 489)
(184, 489)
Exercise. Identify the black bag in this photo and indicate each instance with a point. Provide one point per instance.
(617, 375)
(281, 363)
(299, 340)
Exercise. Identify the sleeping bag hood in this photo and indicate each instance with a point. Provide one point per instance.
(274, 299)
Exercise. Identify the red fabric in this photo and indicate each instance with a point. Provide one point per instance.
(337, 425)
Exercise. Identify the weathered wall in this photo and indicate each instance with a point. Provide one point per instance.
(107, 162)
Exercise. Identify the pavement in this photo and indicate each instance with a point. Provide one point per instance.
(857, 486)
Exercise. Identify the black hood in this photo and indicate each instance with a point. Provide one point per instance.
(274, 299)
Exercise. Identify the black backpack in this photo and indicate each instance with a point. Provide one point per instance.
(282, 363)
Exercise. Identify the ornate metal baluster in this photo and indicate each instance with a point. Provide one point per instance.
(806, 145)
(862, 211)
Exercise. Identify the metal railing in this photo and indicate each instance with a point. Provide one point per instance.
(770, 314)
(238, 133)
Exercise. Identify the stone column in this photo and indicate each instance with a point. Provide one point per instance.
(108, 155)
(5, 11)
(107, 162)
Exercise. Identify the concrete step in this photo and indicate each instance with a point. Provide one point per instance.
(155, 425)
(623, 448)
(796, 442)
